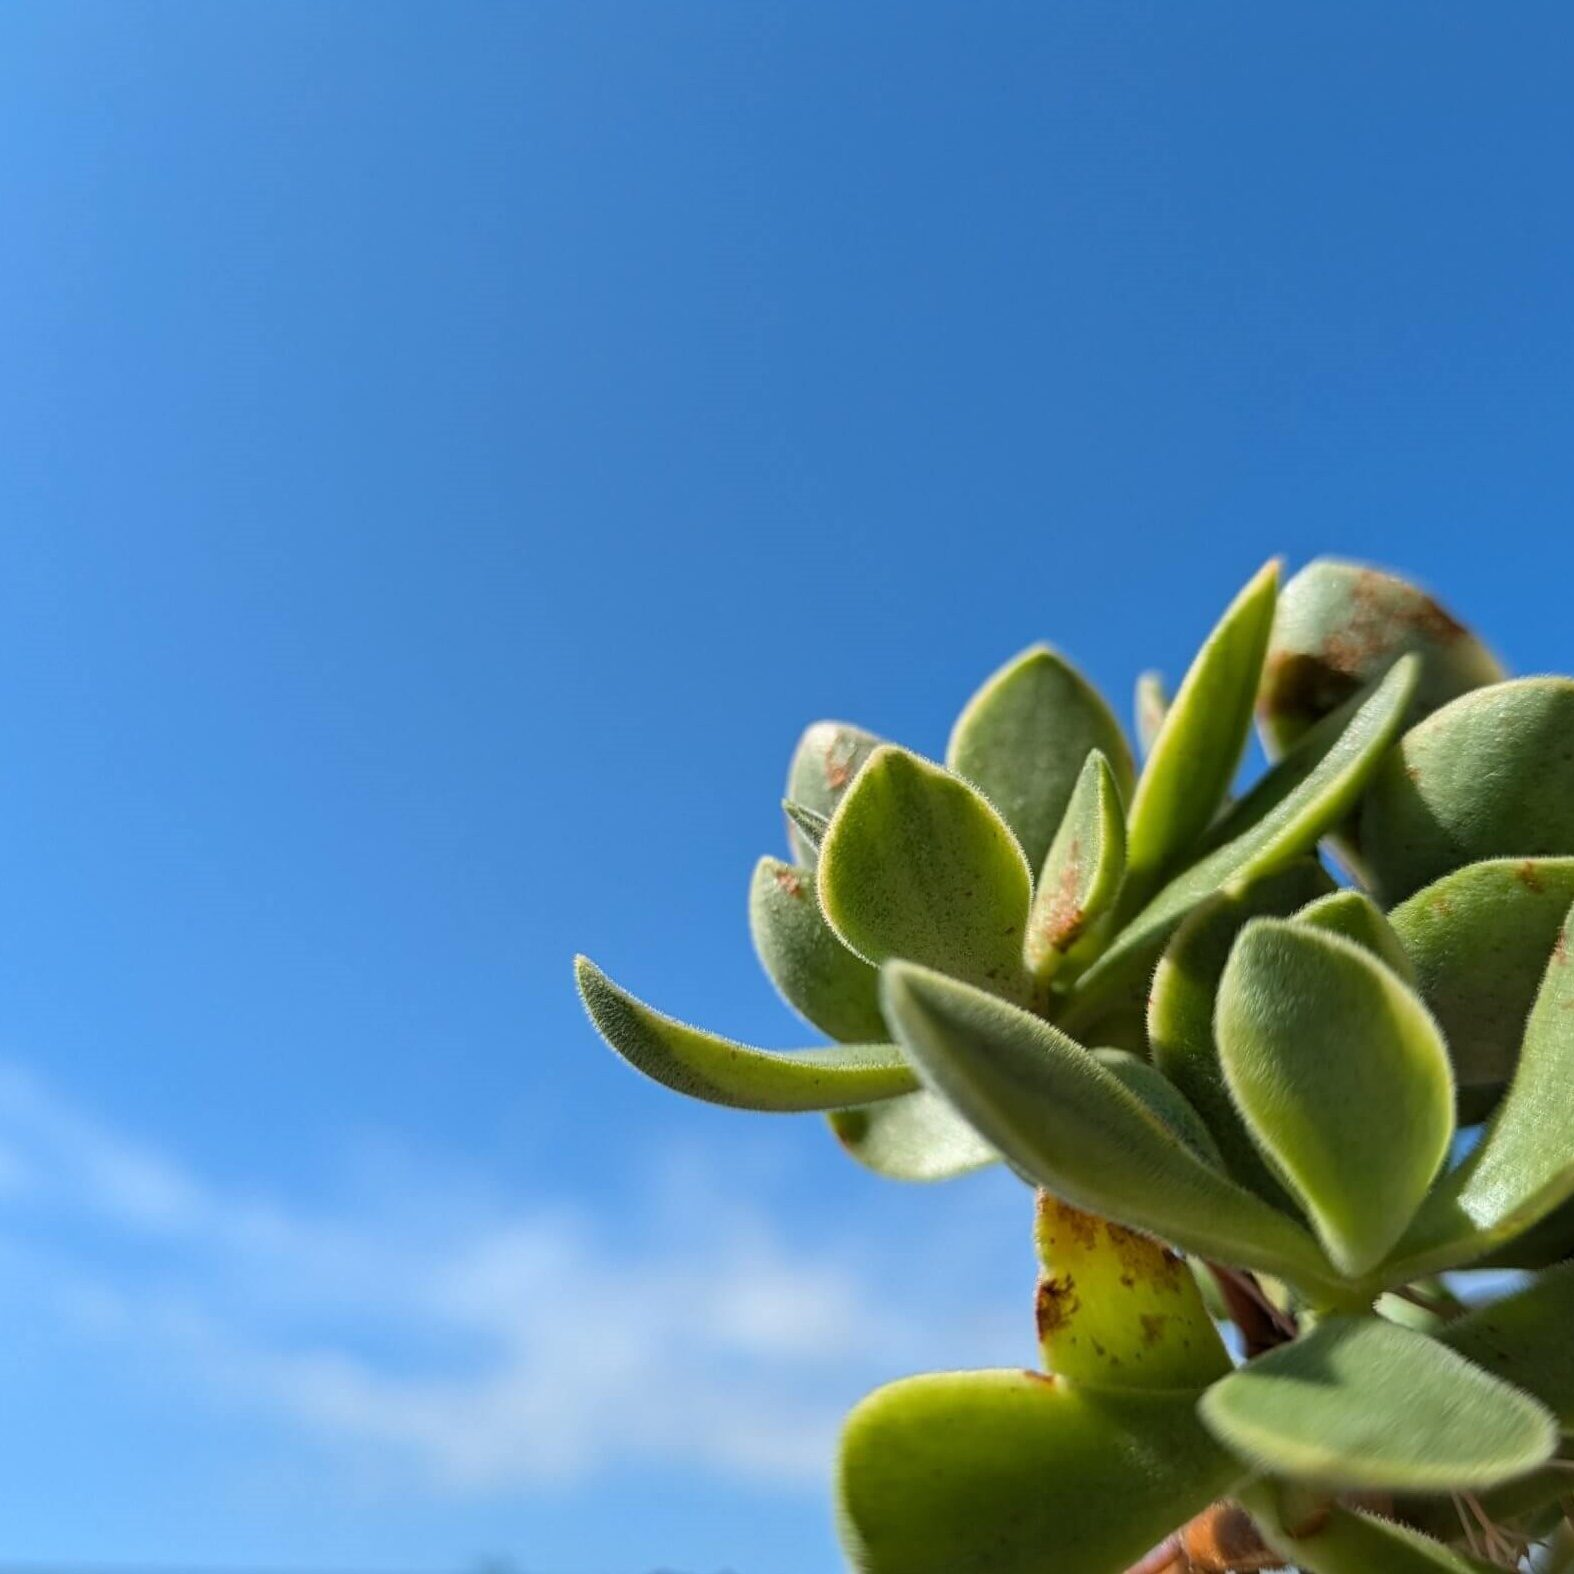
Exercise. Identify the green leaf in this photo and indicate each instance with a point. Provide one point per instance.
(1338, 625)
(1151, 707)
(1057, 1115)
(1166, 1101)
(1491, 775)
(1479, 939)
(1350, 1541)
(1280, 819)
(1198, 748)
(1342, 1078)
(1361, 1403)
(1022, 738)
(1357, 917)
(1523, 1167)
(1181, 1004)
(1525, 1339)
(1117, 1310)
(816, 974)
(917, 864)
(807, 825)
(706, 1066)
(1007, 1472)
(829, 755)
(1082, 871)
(917, 1137)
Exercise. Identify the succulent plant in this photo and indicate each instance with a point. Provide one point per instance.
(1275, 1120)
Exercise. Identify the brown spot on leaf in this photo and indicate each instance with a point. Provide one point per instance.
(1060, 1218)
(1055, 1303)
(788, 881)
(1560, 948)
(1153, 1326)
(1529, 875)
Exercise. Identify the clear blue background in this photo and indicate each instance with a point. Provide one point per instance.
(448, 453)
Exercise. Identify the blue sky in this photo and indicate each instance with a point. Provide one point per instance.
(449, 452)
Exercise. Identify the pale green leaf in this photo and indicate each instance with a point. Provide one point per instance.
(1151, 706)
(1527, 1339)
(1199, 744)
(1181, 1003)
(1280, 819)
(1338, 625)
(1022, 738)
(829, 755)
(1342, 1078)
(1059, 1116)
(808, 825)
(1082, 870)
(816, 974)
(1362, 1403)
(917, 1137)
(1479, 939)
(1490, 775)
(1007, 1472)
(1523, 1166)
(1357, 917)
(918, 864)
(719, 1071)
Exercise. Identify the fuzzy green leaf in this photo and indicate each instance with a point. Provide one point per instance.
(1479, 939)
(1357, 917)
(917, 1137)
(1491, 775)
(1342, 1078)
(1058, 1115)
(807, 826)
(816, 974)
(1338, 625)
(1199, 744)
(918, 864)
(1022, 738)
(1280, 819)
(1007, 1472)
(719, 1071)
(829, 755)
(1166, 1101)
(1181, 1004)
(1523, 1167)
(1151, 706)
(1350, 1541)
(1082, 870)
(1525, 1339)
(1361, 1403)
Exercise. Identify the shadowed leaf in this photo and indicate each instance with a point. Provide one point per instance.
(1022, 739)
(917, 1137)
(1349, 1541)
(1489, 776)
(1361, 1403)
(816, 974)
(719, 1071)
(1007, 1472)
(1342, 1078)
(1061, 1117)
(1198, 747)
(1082, 871)
(917, 864)
(829, 755)
(1527, 1339)
(1166, 1100)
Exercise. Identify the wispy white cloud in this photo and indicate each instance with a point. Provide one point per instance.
(476, 1347)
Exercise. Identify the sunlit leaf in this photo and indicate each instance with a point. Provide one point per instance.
(1022, 738)
(1527, 1339)
(1342, 1078)
(917, 1137)
(1338, 625)
(1361, 1403)
(1082, 870)
(816, 974)
(1480, 939)
(719, 1071)
(1491, 775)
(1062, 1118)
(1116, 1309)
(829, 755)
(1280, 819)
(1523, 1166)
(917, 864)
(1357, 917)
(1199, 744)
(1151, 705)
(1181, 1004)
(1007, 1472)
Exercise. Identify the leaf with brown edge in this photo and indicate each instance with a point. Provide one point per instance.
(719, 1071)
